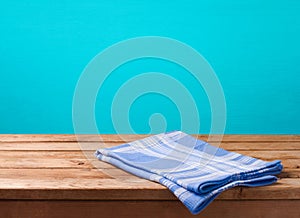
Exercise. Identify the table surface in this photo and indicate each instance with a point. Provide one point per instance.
(48, 167)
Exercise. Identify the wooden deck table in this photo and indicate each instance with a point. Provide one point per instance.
(50, 176)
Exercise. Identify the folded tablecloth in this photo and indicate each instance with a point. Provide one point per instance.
(193, 170)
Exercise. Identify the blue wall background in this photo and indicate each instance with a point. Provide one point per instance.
(253, 47)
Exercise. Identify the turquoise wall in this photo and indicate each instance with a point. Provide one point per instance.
(253, 47)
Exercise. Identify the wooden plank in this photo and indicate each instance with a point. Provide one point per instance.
(258, 146)
(272, 155)
(75, 146)
(30, 163)
(49, 146)
(128, 137)
(264, 155)
(55, 174)
(90, 173)
(68, 138)
(48, 163)
(147, 209)
(8, 160)
(289, 173)
(19, 155)
(127, 188)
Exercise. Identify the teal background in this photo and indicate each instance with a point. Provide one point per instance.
(253, 47)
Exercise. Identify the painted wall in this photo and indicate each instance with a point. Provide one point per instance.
(253, 47)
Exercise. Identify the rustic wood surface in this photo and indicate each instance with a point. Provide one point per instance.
(36, 169)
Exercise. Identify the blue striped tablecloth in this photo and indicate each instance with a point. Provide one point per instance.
(193, 170)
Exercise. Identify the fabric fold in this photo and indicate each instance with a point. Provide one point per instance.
(193, 170)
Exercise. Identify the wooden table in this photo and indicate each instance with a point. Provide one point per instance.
(50, 176)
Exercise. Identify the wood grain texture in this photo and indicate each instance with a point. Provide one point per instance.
(56, 173)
